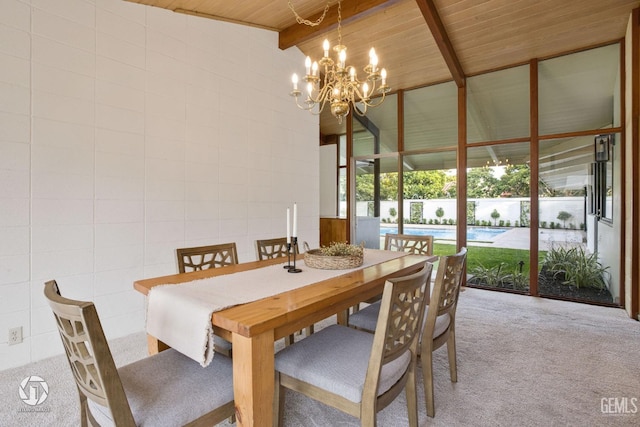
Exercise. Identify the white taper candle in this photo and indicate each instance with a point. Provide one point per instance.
(295, 220)
(288, 226)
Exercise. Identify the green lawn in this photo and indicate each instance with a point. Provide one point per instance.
(490, 257)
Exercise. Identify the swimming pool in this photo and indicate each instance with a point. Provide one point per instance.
(473, 233)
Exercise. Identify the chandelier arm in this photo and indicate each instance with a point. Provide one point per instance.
(303, 107)
(375, 104)
(358, 112)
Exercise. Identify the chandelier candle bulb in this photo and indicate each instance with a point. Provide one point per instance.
(307, 64)
(314, 68)
(383, 74)
(352, 71)
(365, 90)
(294, 80)
(373, 60)
(343, 57)
(325, 47)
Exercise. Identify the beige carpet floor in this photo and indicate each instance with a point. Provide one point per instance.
(522, 361)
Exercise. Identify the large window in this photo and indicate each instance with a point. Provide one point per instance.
(377, 132)
(580, 91)
(408, 182)
(498, 216)
(431, 117)
(498, 105)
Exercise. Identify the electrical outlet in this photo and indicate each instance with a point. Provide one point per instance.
(15, 335)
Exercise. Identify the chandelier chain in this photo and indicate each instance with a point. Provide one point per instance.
(339, 22)
(301, 20)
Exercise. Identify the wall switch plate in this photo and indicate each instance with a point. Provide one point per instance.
(15, 335)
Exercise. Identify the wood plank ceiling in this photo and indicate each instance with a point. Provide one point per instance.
(422, 42)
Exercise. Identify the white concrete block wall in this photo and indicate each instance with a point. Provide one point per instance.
(125, 132)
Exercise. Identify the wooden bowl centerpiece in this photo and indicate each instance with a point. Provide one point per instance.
(336, 256)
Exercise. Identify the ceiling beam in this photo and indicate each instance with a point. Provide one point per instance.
(430, 14)
(351, 10)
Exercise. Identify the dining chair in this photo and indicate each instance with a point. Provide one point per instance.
(204, 257)
(440, 321)
(412, 243)
(357, 372)
(272, 248)
(276, 248)
(167, 389)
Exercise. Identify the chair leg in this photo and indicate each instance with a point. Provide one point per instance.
(412, 398)
(451, 350)
(84, 411)
(278, 401)
(309, 330)
(368, 416)
(290, 339)
(427, 374)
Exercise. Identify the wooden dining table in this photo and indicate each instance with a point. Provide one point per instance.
(253, 327)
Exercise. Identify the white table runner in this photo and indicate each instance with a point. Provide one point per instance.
(180, 315)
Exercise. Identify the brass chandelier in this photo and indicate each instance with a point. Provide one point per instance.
(337, 84)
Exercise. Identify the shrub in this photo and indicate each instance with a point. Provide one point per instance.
(543, 224)
(519, 280)
(575, 267)
(490, 276)
(495, 215)
(564, 216)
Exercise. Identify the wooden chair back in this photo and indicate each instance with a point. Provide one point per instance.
(446, 289)
(205, 257)
(442, 311)
(272, 248)
(414, 244)
(89, 356)
(398, 331)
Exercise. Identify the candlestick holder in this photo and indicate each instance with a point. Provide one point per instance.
(294, 244)
(288, 264)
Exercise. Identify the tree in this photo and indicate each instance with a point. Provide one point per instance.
(481, 183)
(439, 213)
(424, 184)
(515, 180)
(564, 216)
(495, 215)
